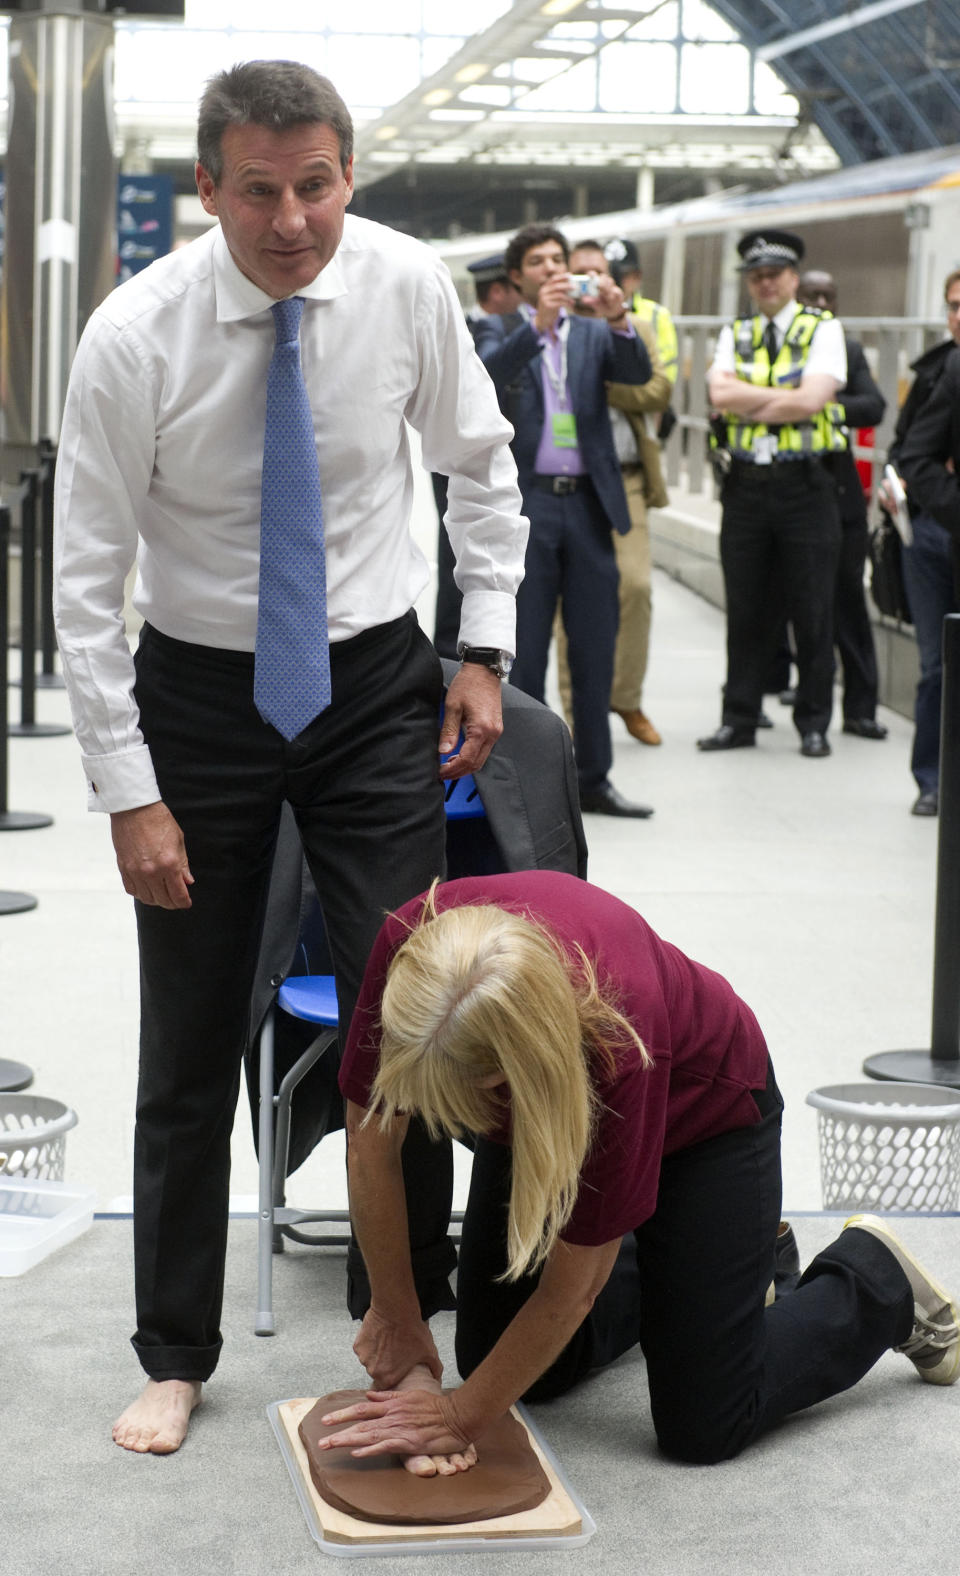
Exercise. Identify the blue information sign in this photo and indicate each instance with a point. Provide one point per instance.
(144, 222)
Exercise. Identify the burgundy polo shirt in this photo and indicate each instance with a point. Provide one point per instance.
(707, 1048)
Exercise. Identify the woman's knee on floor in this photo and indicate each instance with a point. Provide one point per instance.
(699, 1440)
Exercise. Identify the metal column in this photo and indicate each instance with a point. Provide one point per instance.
(60, 213)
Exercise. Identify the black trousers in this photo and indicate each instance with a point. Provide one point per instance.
(779, 535)
(852, 628)
(362, 781)
(689, 1287)
(570, 557)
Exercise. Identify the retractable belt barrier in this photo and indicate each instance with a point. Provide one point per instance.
(941, 1063)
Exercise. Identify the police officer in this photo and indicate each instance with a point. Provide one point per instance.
(774, 381)
(495, 292)
(863, 405)
(624, 263)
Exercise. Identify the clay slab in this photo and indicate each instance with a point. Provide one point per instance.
(561, 1521)
(507, 1479)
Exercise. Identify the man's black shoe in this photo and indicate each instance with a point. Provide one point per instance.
(763, 721)
(605, 800)
(927, 803)
(788, 697)
(865, 728)
(728, 738)
(786, 1263)
(814, 744)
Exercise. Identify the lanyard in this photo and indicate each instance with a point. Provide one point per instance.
(558, 384)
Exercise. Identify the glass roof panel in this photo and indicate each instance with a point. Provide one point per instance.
(373, 71)
(574, 90)
(310, 48)
(153, 64)
(663, 23)
(462, 16)
(702, 21)
(638, 79)
(714, 79)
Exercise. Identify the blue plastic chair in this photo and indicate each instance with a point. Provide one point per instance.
(461, 799)
(312, 998)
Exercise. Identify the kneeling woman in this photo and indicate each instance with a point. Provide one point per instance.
(625, 1185)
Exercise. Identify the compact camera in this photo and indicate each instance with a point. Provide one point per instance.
(583, 287)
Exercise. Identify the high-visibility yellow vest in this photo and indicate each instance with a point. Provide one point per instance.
(662, 324)
(822, 433)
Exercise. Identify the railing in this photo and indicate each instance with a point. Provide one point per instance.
(891, 344)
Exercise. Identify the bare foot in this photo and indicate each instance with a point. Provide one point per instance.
(420, 1378)
(157, 1420)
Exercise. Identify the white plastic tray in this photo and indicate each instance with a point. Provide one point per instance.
(38, 1217)
(454, 1545)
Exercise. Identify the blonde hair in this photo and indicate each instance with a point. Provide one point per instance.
(476, 993)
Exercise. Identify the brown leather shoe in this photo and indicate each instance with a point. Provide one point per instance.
(639, 727)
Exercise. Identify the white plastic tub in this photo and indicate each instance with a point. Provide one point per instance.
(36, 1218)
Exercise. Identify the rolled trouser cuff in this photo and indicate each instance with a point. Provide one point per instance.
(177, 1362)
(432, 1268)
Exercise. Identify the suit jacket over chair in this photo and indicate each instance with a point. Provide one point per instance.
(528, 787)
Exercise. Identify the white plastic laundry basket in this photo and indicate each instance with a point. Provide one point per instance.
(33, 1136)
(889, 1146)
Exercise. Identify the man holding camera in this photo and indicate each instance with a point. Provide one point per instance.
(551, 373)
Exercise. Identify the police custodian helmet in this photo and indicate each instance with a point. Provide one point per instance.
(769, 249)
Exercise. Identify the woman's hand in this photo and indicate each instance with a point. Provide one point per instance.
(388, 1351)
(410, 1423)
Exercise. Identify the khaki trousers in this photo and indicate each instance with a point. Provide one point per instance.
(633, 638)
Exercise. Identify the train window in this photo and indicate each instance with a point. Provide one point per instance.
(702, 275)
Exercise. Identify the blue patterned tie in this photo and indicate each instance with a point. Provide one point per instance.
(291, 683)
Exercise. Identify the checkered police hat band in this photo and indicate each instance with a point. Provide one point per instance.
(769, 252)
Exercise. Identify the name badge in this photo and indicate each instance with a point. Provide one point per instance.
(564, 429)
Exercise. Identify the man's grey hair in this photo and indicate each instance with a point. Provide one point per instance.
(278, 94)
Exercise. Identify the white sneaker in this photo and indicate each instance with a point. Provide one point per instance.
(934, 1343)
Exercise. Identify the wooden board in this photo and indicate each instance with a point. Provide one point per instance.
(556, 1517)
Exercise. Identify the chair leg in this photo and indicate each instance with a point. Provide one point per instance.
(281, 1137)
(264, 1323)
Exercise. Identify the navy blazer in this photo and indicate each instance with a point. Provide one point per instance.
(510, 350)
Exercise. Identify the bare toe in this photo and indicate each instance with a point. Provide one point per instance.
(420, 1466)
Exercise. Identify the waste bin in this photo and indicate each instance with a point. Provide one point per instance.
(889, 1146)
(33, 1136)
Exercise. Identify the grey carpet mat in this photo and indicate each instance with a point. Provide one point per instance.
(866, 1483)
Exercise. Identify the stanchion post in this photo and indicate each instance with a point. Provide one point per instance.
(28, 598)
(28, 726)
(48, 677)
(941, 1063)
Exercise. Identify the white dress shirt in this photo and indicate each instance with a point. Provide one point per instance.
(160, 461)
(828, 352)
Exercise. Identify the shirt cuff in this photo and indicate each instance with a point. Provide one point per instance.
(489, 618)
(123, 781)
